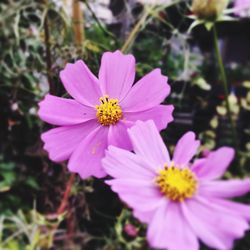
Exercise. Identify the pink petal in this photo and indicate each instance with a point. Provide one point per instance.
(148, 143)
(142, 195)
(61, 142)
(213, 224)
(235, 207)
(215, 164)
(169, 229)
(185, 149)
(197, 164)
(118, 135)
(120, 163)
(61, 111)
(150, 91)
(80, 83)
(241, 8)
(144, 216)
(160, 114)
(225, 189)
(86, 159)
(240, 221)
(117, 73)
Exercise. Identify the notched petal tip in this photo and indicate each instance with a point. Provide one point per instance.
(99, 175)
(171, 111)
(191, 136)
(51, 155)
(70, 67)
(159, 71)
(81, 83)
(164, 80)
(43, 101)
(118, 54)
(186, 148)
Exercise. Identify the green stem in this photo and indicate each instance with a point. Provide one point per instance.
(104, 30)
(135, 31)
(225, 86)
(52, 89)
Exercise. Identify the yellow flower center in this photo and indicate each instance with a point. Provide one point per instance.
(176, 183)
(108, 112)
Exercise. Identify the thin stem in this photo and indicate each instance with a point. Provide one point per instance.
(135, 31)
(66, 194)
(105, 31)
(225, 86)
(150, 10)
(63, 205)
(78, 23)
(48, 54)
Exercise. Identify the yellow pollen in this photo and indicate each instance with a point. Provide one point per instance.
(108, 112)
(177, 184)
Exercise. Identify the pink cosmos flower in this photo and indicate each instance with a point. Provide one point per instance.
(101, 111)
(242, 8)
(182, 202)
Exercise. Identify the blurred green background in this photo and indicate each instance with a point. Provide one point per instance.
(42, 206)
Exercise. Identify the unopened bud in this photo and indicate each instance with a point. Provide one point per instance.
(208, 9)
(131, 230)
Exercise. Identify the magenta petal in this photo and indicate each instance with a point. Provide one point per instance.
(61, 111)
(169, 229)
(185, 149)
(144, 216)
(197, 164)
(225, 189)
(215, 164)
(160, 114)
(80, 83)
(150, 91)
(241, 8)
(141, 195)
(61, 142)
(118, 135)
(120, 163)
(241, 209)
(213, 224)
(117, 73)
(148, 144)
(86, 159)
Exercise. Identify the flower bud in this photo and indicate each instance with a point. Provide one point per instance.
(208, 9)
(131, 230)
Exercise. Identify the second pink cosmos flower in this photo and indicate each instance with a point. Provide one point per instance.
(181, 200)
(101, 112)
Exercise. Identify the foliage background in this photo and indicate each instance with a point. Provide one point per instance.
(43, 206)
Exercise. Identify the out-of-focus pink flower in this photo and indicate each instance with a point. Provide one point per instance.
(130, 230)
(101, 111)
(242, 8)
(182, 202)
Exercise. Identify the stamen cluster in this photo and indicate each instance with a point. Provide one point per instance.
(108, 112)
(176, 183)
